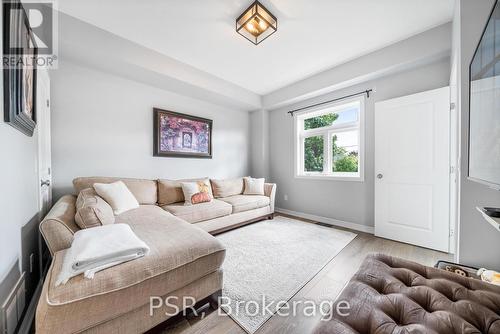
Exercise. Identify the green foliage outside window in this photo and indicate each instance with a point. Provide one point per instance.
(320, 121)
(343, 161)
(313, 154)
(347, 164)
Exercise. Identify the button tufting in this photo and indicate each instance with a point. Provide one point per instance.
(408, 297)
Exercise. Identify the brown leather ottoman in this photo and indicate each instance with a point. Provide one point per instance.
(392, 295)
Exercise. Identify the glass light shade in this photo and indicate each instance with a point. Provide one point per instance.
(256, 23)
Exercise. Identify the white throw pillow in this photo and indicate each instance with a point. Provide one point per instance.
(253, 186)
(117, 195)
(196, 192)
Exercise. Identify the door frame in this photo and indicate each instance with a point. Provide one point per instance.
(454, 156)
(43, 78)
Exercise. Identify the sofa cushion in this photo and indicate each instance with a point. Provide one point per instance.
(180, 254)
(145, 191)
(117, 195)
(199, 212)
(92, 210)
(170, 191)
(246, 202)
(228, 187)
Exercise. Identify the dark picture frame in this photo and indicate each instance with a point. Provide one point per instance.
(181, 135)
(19, 81)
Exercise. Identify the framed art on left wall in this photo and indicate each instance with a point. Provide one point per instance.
(181, 135)
(19, 80)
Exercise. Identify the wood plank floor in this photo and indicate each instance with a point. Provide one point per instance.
(326, 285)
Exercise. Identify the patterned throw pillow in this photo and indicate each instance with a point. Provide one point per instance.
(92, 210)
(196, 192)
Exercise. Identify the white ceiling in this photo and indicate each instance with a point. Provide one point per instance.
(312, 36)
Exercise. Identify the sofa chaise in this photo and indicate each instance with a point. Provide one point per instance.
(185, 259)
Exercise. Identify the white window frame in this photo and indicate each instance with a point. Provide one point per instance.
(328, 132)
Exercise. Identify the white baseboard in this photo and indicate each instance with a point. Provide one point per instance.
(329, 221)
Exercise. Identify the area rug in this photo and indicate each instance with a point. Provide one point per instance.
(268, 262)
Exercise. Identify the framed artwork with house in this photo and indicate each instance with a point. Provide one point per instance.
(180, 135)
(19, 72)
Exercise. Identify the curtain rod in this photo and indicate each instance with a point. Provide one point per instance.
(367, 92)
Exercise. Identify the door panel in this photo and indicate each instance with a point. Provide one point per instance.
(412, 168)
(403, 198)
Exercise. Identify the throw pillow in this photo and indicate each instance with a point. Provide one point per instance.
(170, 191)
(253, 186)
(227, 187)
(92, 210)
(196, 192)
(117, 195)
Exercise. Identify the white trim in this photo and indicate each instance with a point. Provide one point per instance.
(326, 132)
(334, 177)
(329, 221)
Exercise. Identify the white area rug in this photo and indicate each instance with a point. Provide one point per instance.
(275, 259)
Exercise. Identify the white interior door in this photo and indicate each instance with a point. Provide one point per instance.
(44, 149)
(412, 168)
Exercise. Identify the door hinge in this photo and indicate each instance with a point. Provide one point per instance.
(48, 103)
(452, 106)
(452, 232)
(452, 169)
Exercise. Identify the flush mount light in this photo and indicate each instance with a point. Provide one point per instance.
(256, 23)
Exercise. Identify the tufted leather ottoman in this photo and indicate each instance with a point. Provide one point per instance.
(392, 295)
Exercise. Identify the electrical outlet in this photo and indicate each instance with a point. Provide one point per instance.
(285, 197)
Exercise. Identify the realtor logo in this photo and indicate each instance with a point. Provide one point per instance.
(29, 34)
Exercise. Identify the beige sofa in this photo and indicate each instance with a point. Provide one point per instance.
(185, 259)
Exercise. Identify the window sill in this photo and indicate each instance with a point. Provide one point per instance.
(339, 177)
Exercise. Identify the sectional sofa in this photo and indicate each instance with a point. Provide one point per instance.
(185, 259)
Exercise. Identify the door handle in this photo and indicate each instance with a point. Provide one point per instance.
(379, 176)
(45, 183)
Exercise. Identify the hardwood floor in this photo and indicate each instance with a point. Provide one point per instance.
(326, 285)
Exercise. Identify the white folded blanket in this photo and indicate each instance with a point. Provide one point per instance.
(98, 248)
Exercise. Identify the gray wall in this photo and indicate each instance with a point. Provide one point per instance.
(18, 205)
(424, 48)
(102, 124)
(18, 184)
(478, 243)
(342, 200)
(18, 195)
(259, 135)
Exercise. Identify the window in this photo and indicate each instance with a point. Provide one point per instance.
(329, 142)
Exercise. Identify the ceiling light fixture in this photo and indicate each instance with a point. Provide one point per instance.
(256, 23)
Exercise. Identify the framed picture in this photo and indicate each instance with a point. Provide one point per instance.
(20, 79)
(180, 135)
